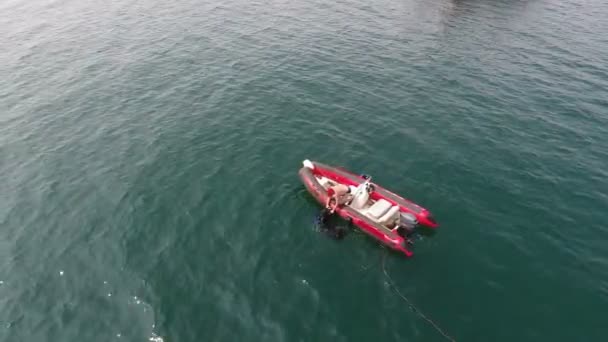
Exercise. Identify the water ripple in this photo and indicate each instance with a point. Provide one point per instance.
(150, 154)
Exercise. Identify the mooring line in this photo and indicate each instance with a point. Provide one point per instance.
(368, 266)
(430, 321)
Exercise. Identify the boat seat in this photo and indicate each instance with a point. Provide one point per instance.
(378, 209)
(390, 217)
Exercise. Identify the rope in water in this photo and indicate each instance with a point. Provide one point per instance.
(430, 321)
(319, 220)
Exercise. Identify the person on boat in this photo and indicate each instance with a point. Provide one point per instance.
(337, 195)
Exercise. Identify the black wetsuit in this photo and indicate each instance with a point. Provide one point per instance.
(329, 228)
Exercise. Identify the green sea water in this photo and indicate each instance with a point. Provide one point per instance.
(149, 153)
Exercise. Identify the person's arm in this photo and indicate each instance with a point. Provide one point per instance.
(329, 195)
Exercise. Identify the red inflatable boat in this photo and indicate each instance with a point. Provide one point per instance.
(375, 210)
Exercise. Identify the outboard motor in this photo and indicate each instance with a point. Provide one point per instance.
(407, 224)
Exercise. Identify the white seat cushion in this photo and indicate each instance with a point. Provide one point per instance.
(379, 208)
(390, 217)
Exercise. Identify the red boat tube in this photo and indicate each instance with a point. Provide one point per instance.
(376, 213)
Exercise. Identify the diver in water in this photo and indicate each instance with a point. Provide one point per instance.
(330, 228)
